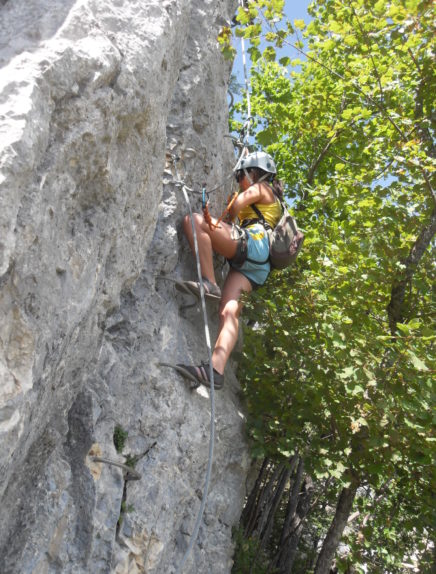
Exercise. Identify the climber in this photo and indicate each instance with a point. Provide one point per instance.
(244, 245)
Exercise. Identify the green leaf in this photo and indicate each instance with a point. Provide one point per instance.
(358, 390)
(269, 54)
(380, 7)
(347, 373)
(243, 16)
(266, 137)
(403, 328)
(417, 363)
(228, 53)
(299, 24)
(350, 40)
(336, 27)
(255, 54)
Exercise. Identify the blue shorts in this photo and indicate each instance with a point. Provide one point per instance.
(256, 266)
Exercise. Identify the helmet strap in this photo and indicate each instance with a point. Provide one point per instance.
(263, 178)
(247, 175)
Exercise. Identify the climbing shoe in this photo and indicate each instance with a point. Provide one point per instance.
(211, 290)
(200, 375)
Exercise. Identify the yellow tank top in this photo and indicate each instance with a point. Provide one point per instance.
(271, 212)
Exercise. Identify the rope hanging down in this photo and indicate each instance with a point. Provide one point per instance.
(245, 134)
(194, 534)
(247, 123)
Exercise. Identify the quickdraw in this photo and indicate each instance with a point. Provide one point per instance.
(207, 216)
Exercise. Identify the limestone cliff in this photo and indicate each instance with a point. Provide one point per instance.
(93, 94)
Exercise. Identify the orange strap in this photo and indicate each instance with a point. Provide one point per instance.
(208, 218)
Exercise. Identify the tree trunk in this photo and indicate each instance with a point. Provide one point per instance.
(398, 293)
(259, 502)
(289, 552)
(291, 510)
(336, 529)
(284, 479)
(249, 511)
(293, 501)
(265, 502)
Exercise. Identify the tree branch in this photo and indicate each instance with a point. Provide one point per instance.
(395, 308)
(331, 541)
(315, 164)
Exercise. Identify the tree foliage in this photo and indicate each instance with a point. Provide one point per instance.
(340, 366)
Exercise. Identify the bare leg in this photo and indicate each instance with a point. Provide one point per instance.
(230, 309)
(218, 240)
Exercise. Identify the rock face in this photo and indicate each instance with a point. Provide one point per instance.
(94, 95)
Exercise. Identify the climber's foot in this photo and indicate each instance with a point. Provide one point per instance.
(211, 290)
(199, 374)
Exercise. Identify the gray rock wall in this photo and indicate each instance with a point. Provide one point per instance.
(93, 96)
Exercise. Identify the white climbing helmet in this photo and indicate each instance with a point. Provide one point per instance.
(259, 159)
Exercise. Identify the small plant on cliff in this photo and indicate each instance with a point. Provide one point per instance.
(125, 508)
(120, 437)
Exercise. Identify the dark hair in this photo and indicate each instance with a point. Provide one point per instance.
(276, 184)
(277, 187)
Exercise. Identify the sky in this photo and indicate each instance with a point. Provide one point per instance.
(295, 9)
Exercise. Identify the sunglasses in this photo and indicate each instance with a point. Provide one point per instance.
(239, 175)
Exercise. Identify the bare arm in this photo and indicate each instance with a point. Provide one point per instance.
(257, 193)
